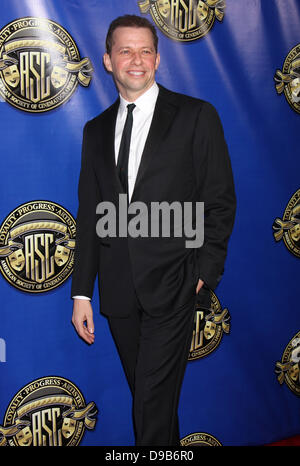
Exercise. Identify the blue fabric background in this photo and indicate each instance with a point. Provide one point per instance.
(233, 393)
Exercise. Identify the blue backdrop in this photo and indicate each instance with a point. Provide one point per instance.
(233, 393)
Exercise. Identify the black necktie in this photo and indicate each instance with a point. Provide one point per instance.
(122, 165)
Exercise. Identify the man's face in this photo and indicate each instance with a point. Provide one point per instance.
(133, 61)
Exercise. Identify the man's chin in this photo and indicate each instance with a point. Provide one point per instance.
(138, 87)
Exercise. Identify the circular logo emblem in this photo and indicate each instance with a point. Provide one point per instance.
(200, 439)
(288, 370)
(288, 79)
(209, 325)
(184, 20)
(37, 242)
(288, 227)
(50, 411)
(40, 66)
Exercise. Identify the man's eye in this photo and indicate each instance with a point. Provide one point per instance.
(124, 52)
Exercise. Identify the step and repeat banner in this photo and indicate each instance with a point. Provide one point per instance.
(242, 383)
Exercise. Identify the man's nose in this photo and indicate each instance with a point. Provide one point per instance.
(137, 58)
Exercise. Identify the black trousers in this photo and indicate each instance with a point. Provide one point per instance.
(154, 353)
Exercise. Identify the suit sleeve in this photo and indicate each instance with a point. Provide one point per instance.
(216, 190)
(87, 248)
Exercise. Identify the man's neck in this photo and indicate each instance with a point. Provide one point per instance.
(133, 96)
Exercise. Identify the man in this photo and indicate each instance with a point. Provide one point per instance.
(148, 285)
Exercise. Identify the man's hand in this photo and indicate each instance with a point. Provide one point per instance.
(82, 319)
(199, 286)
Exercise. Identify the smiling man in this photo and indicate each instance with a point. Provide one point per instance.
(153, 145)
(133, 61)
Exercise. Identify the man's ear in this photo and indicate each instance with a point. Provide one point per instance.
(157, 61)
(107, 62)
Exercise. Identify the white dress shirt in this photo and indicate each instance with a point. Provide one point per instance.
(142, 118)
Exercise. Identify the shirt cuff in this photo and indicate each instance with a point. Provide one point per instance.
(81, 297)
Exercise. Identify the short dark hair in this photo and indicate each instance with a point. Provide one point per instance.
(129, 21)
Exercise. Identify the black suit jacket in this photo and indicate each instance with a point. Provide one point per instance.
(185, 159)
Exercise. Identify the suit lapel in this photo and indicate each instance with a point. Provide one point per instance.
(109, 144)
(163, 116)
(162, 119)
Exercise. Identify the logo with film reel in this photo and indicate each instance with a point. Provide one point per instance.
(184, 20)
(37, 242)
(50, 411)
(40, 65)
(288, 369)
(210, 323)
(288, 79)
(288, 227)
(200, 439)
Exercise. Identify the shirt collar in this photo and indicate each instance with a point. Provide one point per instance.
(146, 102)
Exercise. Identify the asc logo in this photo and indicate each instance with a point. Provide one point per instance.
(209, 325)
(40, 65)
(288, 369)
(288, 79)
(37, 242)
(50, 411)
(200, 439)
(288, 227)
(184, 20)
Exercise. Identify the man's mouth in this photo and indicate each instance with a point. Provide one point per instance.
(136, 73)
